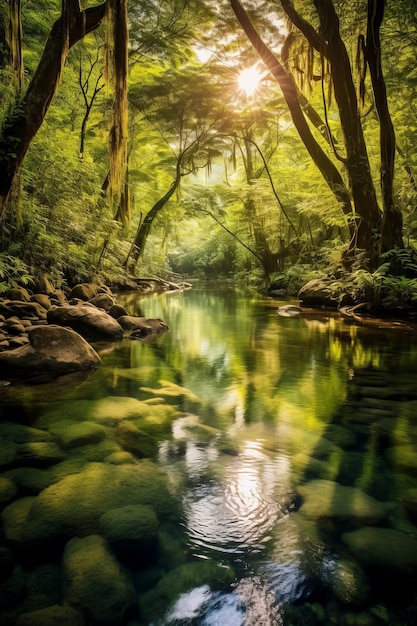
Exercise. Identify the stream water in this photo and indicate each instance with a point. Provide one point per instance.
(288, 446)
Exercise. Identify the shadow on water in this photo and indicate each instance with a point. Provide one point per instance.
(289, 449)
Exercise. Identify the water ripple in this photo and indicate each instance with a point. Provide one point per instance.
(235, 513)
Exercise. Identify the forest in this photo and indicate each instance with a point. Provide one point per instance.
(258, 142)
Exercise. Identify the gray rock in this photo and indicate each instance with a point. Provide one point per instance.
(95, 583)
(52, 349)
(89, 321)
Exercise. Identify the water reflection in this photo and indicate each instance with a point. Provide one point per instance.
(289, 444)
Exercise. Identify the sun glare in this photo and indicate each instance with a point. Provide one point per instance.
(248, 81)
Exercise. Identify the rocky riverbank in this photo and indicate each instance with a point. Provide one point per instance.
(52, 333)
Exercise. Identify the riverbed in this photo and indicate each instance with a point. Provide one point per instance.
(273, 459)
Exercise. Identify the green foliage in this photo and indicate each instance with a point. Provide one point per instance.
(13, 271)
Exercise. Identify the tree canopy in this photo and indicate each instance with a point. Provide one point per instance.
(282, 129)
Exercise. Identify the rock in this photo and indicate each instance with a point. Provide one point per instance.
(83, 291)
(289, 310)
(383, 548)
(316, 294)
(117, 311)
(51, 616)
(89, 321)
(41, 299)
(72, 434)
(142, 325)
(347, 581)
(403, 458)
(118, 458)
(94, 582)
(135, 440)
(20, 433)
(102, 301)
(410, 504)
(7, 452)
(328, 499)
(12, 588)
(44, 587)
(8, 490)
(131, 531)
(73, 506)
(6, 563)
(19, 293)
(52, 349)
(39, 453)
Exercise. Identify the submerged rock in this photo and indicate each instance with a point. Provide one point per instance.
(51, 616)
(95, 583)
(73, 506)
(328, 499)
(385, 548)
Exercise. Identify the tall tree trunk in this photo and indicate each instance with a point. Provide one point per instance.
(329, 43)
(326, 167)
(392, 223)
(26, 115)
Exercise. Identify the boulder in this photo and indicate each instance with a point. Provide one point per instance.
(102, 301)
(52, 349)
(83, 291)
(73, 434)
(94, 582)
(19, 293)
(142, 326)
(316, 293)
(88, 321)
(117, 310)
(73, 506)
(41, 299)
(130, 530)
(8, 490)
(135, 440)
(327, 499)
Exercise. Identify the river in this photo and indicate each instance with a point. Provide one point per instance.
(288, 450)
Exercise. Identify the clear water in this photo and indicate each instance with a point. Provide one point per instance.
(289, 446)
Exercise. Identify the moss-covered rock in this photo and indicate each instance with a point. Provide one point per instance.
(94, 582)
(383, 548)
(51, 616)
(135, 440)
(132, 532)
(8, 490)
(73, 506)
(71, 434)
(328, 499)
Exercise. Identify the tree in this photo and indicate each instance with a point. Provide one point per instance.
(186, 110)
(28, 111)
(367, 230)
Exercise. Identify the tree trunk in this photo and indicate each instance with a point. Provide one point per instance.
(26, 116)
(392, 223)
(143, 231)
(327, 168)
(329, 43)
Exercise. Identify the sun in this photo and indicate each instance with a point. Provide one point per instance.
(248, 80)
